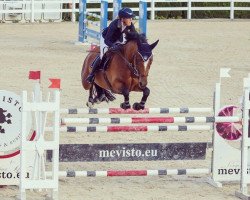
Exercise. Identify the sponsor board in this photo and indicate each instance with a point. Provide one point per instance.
(10, 137)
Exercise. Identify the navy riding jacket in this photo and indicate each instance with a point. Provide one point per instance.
(114, 32)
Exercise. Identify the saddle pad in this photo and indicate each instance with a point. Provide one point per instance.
(95, 49)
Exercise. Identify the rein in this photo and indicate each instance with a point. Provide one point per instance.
(130, 65)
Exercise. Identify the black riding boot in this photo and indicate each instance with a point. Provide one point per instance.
(95, 67)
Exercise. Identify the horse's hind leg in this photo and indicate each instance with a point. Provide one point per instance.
(141, 105)
(125, 105)
(91, 101)
(109, 95)
(100, 97)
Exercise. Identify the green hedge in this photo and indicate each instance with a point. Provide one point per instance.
(201, 14)
(182, 14)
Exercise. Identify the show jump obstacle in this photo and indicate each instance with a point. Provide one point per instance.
(86, 31)
(224, 167)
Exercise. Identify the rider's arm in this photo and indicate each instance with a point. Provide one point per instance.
(113, 27)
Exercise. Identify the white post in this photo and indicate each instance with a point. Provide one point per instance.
(32, 8)
(56, 131)
(152, 9)
(22, 149)
(217, 100)
(245, 144)
(232, 10)
(245, 147)
(73, 15)
(38, 147)
(217, 145)
(189, 11)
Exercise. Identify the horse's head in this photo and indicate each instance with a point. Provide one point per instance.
(143, 59)
(139, 54)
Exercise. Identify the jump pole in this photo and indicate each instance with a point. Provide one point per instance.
(182, 110)
(135, 120)
(163, 172)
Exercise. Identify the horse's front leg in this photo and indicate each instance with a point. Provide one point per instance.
(141, 105)
(125, 105)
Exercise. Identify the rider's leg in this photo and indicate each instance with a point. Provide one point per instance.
(95, 67)
(97, 61)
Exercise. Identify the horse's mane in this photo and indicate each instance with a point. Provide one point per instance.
(143, 48)
(139, 38)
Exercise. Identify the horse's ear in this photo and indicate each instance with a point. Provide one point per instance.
(152, 46)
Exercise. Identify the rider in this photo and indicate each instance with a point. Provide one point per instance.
(112, 36)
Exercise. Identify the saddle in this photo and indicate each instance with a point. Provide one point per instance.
(106, 59)
(100, 92)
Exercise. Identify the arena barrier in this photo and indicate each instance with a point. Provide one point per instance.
(224, 167)
(84, 31)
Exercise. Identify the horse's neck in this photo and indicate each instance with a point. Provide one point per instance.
(130, 49)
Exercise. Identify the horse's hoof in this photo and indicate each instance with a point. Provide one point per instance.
(100, 99)
(89, 104)
(125, 106)
(91, 100)
(138, 106)
(97, 100)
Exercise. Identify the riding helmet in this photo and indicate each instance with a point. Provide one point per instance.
(125, 13)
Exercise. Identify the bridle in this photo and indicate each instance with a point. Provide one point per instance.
(133, 66)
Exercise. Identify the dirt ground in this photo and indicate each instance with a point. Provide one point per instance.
(184, 72)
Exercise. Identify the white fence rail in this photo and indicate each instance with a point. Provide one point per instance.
(37, 10)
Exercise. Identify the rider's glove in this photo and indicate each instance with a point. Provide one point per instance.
(115, 47)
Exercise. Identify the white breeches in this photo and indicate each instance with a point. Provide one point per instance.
(104, 47)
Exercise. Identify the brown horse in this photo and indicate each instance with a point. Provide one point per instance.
(127, 71)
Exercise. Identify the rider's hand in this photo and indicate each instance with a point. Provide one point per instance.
(115, 47)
